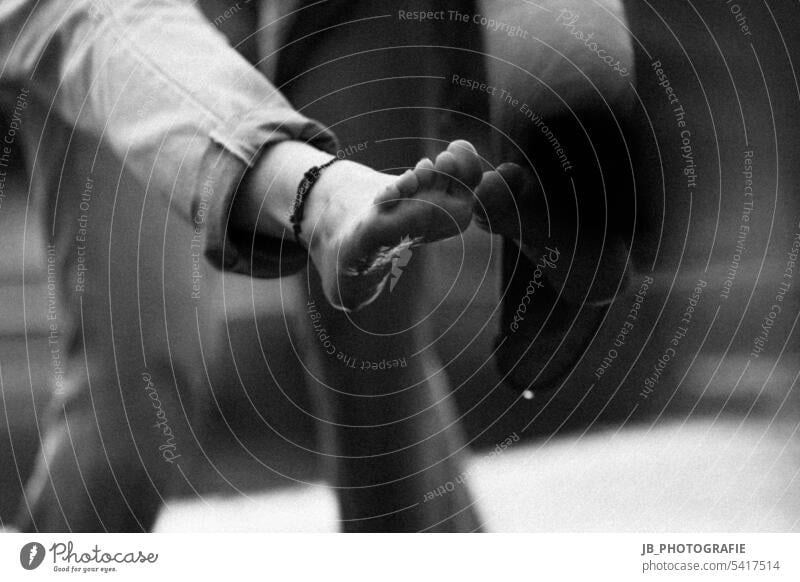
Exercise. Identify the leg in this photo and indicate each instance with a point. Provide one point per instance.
(569, 133)
(117, 436)
(400, 446)
(391, 428)
(92, 477)
(568, 213)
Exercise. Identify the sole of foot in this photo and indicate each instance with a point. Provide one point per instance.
(506, 205)
(431, 202)
(538, 352)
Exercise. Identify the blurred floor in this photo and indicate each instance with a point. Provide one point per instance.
(701, 477)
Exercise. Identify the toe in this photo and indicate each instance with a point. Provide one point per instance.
(389, 198)
(425, 173)
(405, 186)
(467, 162)
(447, 178)
(462, 145)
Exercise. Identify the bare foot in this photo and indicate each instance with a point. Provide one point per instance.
(508, 205)
(539, 347)
(359, 221)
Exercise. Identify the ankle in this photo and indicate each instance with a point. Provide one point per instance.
(343, 192)
(268, 190)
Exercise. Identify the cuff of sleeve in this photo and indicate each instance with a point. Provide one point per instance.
(225, 161)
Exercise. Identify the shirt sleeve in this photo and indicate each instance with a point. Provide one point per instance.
(166, 92)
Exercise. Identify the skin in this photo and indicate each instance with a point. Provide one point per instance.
(357, 220)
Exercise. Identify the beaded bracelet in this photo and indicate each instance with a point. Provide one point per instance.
(303, 190)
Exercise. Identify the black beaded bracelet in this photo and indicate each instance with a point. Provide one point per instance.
(303, 190)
